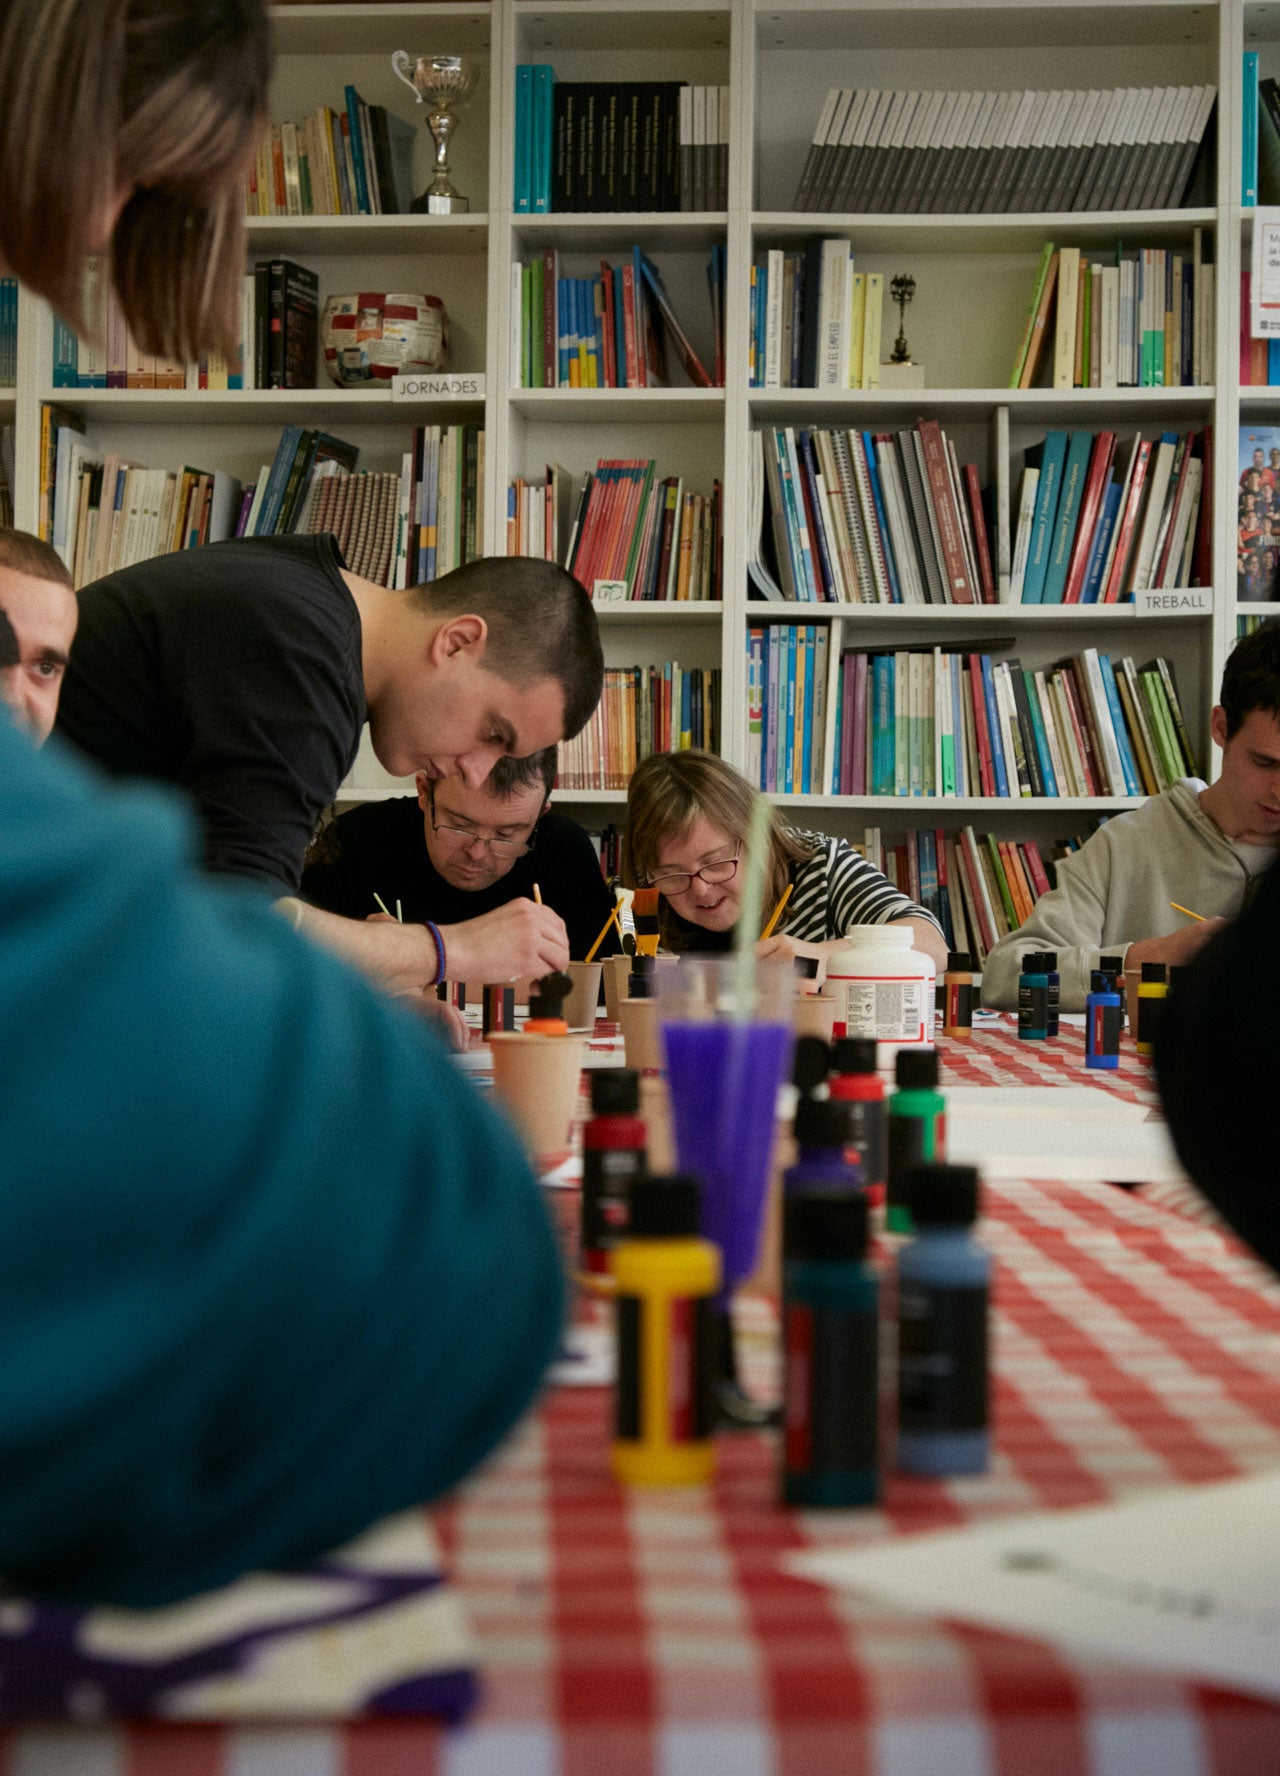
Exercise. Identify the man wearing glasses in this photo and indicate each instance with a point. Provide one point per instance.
(466, 859)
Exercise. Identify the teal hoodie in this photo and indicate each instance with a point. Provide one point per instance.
(269, 1267)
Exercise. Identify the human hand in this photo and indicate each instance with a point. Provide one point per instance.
(380, 919)
(520, 938)
(449, 1020)
(1179, 948)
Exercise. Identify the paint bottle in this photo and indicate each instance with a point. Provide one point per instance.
(855, 1081)
(827, 1157)
(883, 988)
(498, 1010)
(957, 1009)
(1102, 1023)
(1114, 966)
(544, 1017)
(830, 1329)
(1033, 999)
(1054, 982)
(1153, 990)
(917, 1131)
(614, 1140)
(944, 1280)
(666, 1280)
(640, 978)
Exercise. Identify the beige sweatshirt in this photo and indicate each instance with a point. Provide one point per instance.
(1116, 891)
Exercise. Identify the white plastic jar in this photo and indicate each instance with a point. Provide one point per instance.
(883, 988)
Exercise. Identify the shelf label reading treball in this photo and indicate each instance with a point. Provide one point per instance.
(1182, 601)
(449, 385)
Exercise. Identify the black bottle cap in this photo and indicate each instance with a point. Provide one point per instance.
(829, 1226)
(1111, 964)
(806, 967)
(959, 961)
(811, 1065)
(916, 1069)
(853, 1054)
(640, 979)
(615, 1091)
(1101, 982)
(549, 997)
(664, 1208)
(1050, 960)
(1033, 962)
(943, 1195)
(1153, 971)
(823, 1122)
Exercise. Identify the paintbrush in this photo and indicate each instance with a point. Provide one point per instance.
(644, 912)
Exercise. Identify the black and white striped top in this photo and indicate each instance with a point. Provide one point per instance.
(836, 889)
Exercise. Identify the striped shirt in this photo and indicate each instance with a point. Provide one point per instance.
(836, 889)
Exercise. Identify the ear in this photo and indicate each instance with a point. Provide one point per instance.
(422, 781)
(459, 635)
(1218, 725)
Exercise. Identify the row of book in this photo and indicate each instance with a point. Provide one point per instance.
(8, 332)
(1098, 521)
(868, 518)
(921, 722)
(633, 538)
(644, 709)
(815, 321)
(1119, 148)
(353, 161)
(619, 145)
(1259, 358)
(1141, 318)
(611, 329)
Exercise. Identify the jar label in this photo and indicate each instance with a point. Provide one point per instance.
(889, 1008)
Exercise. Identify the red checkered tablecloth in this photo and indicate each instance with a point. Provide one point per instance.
(654, 1634)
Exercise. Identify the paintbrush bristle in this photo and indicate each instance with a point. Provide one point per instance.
(644, 905)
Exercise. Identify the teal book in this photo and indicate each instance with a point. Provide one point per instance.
(1249, 131)
(1049, 457)
(522, 197)
(882, 728)
(544, 81)
(789, 717)
(1040, 737)
(1075, 472)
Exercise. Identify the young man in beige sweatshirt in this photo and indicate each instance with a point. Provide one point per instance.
(1204, 847)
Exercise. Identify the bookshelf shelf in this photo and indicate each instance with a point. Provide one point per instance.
(966, 616)
(379, 28)
(661, 610)
(607, 232)
(592, 406)
(367, 235)
(328, 408)
(609, 798)
(964, 804)
(979, 233)
(824, 25)
(578, 25)
(1259, 400)
(1246, 608)
(809, 406)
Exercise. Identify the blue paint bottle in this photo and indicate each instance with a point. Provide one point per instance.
(1102, 1023)
(944, 1280)
(828, 1155)
(830, 1320)
(1033, 999)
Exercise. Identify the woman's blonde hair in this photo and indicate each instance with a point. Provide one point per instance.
(667, 793)
(163, 99)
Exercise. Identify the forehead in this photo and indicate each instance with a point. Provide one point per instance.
(694, 843)
(1260, 732)
(43, 612)
(481, 805)
(534, 712)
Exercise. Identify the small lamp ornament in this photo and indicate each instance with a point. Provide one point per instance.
(902, 289)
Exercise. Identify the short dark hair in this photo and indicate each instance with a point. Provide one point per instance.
(509, 774)
(26, 554)
(1251, 678)
(541, 625)
(10, 652)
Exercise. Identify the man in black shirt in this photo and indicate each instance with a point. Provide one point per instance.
(467, 859)
(244, 673)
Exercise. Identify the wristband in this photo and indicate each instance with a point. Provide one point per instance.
(439, 943)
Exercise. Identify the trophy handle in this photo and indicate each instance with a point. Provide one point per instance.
(402, 63)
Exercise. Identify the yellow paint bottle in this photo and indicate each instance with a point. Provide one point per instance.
(1153, 990)
(666, 1279)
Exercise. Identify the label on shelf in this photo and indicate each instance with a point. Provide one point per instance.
(448, 385)
(1178, 601)
(609, 591)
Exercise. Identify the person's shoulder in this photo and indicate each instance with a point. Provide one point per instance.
(385, 818)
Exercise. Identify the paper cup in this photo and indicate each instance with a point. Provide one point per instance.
(815, 1015)
(639, 1020)
(580, 1006)
(616, 970)
(536, 1077)
(655, 1111)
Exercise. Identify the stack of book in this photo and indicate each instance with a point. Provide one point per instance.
(606, 841)
(8, 332)
(356, 161)
(921, 722)
(1099, 521)
(609, 330)
(869, 518)
(280, 500)
(644, 709)
(365, 515)
(815, 321)
(618, 145)
(634, 537)
(1120, 148)
(1140, 318)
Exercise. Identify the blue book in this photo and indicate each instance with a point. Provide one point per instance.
(806, 726)
(544, 81)
(789, 717)
(873, 476)
(686, 707)
(993, 727)
(836, 786)
(562, 331)
(882, 728)
(1273, 362)
(1049, 457)
(66, 355)
(761, 297)
(1128, 764)
(769, 768)
(619, 332)
(1080, 446)
(1092, 582)
(277, 480)
(357, 150)
(927, 866)
(1039, 736)
(1249, 130)
(522, 194)
(809, 469)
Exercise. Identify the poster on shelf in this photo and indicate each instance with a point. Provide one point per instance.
(1258, 513)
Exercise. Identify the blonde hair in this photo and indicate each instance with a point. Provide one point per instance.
(669, 791)
(163, 99)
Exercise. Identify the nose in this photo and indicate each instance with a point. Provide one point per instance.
(474, 767)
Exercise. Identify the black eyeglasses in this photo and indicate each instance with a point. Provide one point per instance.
(467, 835)
(680, 881)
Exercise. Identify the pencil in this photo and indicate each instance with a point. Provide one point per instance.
(604, 930)
(399, 915)
(382, 903)
(537, 894)
(1187, 910)
(777, 913)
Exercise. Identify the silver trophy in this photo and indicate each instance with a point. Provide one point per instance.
(444, 83)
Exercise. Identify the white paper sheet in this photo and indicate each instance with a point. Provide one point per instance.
(1186, 1581)
(1081, 1148)
(967, 1103)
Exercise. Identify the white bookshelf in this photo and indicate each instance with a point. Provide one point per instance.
(973, 274)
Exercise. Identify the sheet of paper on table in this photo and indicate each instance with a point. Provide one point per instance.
(1186, 1581)
(1067, 1132)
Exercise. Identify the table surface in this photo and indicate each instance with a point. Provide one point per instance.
(655, 1634)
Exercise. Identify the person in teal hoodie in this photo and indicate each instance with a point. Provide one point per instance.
(269, 1266)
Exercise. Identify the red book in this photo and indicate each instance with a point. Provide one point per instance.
(550, 338)
(636, 377)
(1095, 778)
(981, 731)
(609, 343)
(948, 518)
(1125, 524)
(966, 856)
(981, 542)
(1100, 461)
(1036, 871)
(588, 532)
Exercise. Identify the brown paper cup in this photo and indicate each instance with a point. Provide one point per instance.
(815, 1014)
(580, 1006)
(536, 1078)
(616, 970)
(655, 1109)
(639, 1020)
